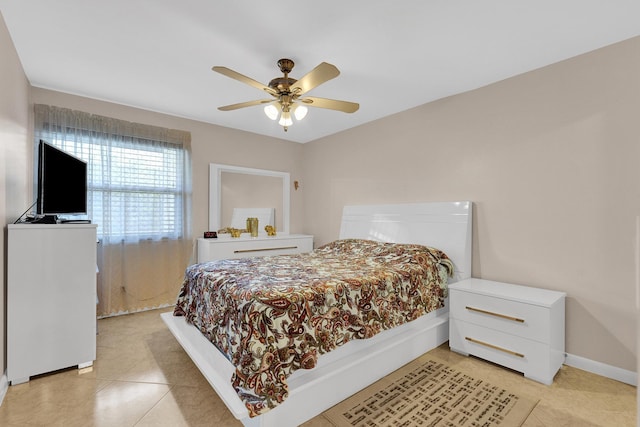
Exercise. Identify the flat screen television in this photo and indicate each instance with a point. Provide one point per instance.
(62, 183)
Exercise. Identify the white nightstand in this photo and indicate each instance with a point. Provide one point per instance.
(519, 327)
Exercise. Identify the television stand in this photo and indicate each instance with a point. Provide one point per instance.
(50, 267)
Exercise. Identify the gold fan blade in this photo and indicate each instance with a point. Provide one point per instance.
(315, 77)
(244, 104)
(244, 79)
(331, 104)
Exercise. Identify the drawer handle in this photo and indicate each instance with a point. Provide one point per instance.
(491, 313)
(495, 347)
(239, 251)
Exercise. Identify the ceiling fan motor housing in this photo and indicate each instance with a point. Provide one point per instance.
(281, 84)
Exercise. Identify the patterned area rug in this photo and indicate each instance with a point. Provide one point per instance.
(432, 394)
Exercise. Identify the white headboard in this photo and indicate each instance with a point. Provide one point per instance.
(442, 225)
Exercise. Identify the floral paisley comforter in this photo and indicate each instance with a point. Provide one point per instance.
(273, 315)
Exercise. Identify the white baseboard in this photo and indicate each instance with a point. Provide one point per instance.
(4, 386)
(602, 369)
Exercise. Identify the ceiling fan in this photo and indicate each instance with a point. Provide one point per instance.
(288, 92)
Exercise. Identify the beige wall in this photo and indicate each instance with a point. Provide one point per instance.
(550, 159)
(15, 155)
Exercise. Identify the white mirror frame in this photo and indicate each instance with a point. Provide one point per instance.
(215, 192)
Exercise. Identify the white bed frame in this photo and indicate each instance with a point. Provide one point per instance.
(359, 363)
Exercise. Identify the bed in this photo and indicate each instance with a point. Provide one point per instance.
(360, 362)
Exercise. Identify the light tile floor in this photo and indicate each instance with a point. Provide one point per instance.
(142, 377)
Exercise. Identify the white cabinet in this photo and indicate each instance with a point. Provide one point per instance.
(246, 246)
(51, 298)
(519, 327)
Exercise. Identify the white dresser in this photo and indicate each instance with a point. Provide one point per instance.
(519, 327)
(51, 298)
(246, 246)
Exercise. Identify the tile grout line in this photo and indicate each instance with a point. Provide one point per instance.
(171, 386)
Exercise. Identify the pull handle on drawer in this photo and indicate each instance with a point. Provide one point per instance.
(495, 347)
(491, 313)
(240, 251)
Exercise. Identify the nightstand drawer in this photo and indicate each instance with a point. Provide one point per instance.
(511, 317)
(520, 354)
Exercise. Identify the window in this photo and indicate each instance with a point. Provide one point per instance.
(136, 185)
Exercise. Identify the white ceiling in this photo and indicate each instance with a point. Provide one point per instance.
(158, 54)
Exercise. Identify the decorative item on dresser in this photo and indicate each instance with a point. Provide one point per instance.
(246, 246)
(516, 326)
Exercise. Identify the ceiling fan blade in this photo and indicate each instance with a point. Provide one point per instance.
(244, 104)
(315, 77)
(244, 79)
(331, 104)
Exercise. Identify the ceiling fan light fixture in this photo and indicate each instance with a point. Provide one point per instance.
(271, 111)
(300, 112)
(285, 119)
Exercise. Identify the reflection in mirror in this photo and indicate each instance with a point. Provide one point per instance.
(238, 187)
(240, 190)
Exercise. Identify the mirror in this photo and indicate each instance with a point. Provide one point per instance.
(239, 187)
